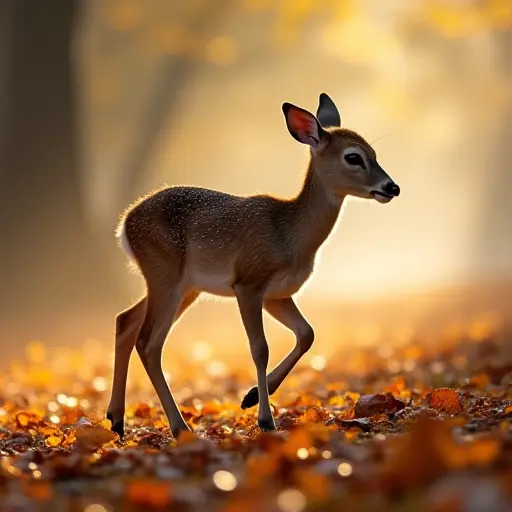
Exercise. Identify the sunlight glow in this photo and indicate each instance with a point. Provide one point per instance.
(202, 350)
(99, 384)
(222, 50)
(360, 41)
(95, 507)
(318, 363)
(224, 480)
(345, 469)
(302, 453)
(72, 402)
(53, 406)
(381, 63)
(216, 368)
(291, 500)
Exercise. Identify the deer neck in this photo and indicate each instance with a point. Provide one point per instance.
(316, 213)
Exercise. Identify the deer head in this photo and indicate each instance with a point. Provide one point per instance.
(345, 163)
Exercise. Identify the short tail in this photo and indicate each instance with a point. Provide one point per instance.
(124, 243)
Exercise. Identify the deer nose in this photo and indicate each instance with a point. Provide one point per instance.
(392, 189)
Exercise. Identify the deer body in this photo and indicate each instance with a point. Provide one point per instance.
(219, 239)
(258, 249)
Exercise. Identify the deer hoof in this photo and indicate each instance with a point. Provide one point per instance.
(117, 426)
(267, 425)
(179, 430)
(250, 399)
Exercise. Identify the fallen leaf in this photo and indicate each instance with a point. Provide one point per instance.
(430, 450)
(259, 467)
(369, 405)
(149, 492)
(92, 437)
(363, 423)
(480, 381)
(142, 411)
(106, 423)
(314, 485)
(27, 420)
(445, 400)
(40, 491)
(299, 438)
(53, 441)
(397, 386)
(186, 437)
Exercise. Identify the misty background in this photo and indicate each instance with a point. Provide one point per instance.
(103, 100)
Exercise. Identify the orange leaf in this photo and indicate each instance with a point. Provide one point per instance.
(39, 491)
(142, 411)
(53, 441)
(186, 437)
(415, 456)
(481, 381)
(352, 434)
(479, 452)
(397, 386)
(211, 408)
(259, 467)
(48, 430)
(299, 438)
(105, 423)
(28, 419)
(92, 437)
(321, 432)
(429, 451)
(445, 400)
(149, 492)
(313, 484)
(337, 401)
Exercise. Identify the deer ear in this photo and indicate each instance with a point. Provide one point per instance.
(327, 112)
(303, 126)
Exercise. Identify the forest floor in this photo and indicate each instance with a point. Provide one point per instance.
(420, 427)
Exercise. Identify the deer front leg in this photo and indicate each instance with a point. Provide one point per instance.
(250, 303)
(286, 312)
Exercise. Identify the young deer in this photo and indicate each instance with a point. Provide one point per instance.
(258, 249)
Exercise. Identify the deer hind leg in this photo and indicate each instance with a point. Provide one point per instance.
(286, 312)
(165, 305)
(251, 310)
(128, 324)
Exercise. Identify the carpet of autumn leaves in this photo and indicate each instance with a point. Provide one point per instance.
(423, 426)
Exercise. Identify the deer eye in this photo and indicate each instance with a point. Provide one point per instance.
(354, 159)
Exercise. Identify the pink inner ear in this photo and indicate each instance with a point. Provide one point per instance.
(303, 124)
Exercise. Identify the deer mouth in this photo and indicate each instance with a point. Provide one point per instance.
(381, 197)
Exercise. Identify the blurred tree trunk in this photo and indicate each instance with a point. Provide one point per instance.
(494, 240)
(48, 263)
(174, 75)
(5, 17)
